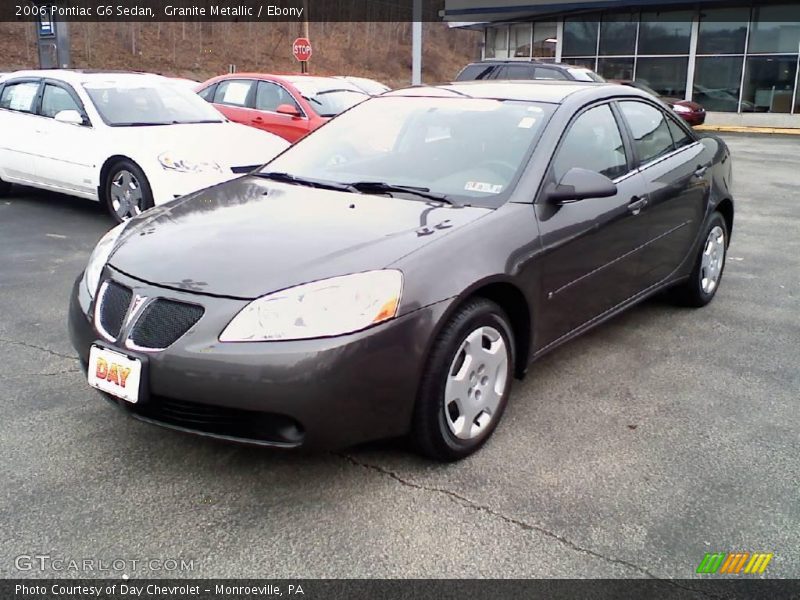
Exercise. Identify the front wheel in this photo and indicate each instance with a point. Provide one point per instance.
(466, 383)
(703, 283)
(5, 187)
(127, 191)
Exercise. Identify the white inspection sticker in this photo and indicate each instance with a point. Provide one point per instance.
(527, 122)
(486, 188)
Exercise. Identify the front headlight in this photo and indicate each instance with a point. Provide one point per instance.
(680, 108)
(182, 164)
(320, 309)
(99, 258)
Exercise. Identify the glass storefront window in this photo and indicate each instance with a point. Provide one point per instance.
(769, 83)
(723, 31)
(521, 40)
(580, 37)
(616, 68)
(717, 82)
(667, 76)
(775, 29)
(667, 32)
(544, 39)
(618, 34)
(496, 42)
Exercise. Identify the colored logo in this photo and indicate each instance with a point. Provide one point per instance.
(734, 563)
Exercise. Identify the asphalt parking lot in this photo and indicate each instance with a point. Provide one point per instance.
(631, 452)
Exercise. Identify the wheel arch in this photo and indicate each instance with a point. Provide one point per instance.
(512, 300)
(104, 170)
(725, 208)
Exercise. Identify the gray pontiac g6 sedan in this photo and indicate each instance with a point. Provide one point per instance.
(394, 271)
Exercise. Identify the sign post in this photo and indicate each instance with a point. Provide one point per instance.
(52, 40)
(301, 49)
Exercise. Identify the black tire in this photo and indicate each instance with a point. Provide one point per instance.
(142, 204)
(431, 433)
(5, 187)
(690, 292)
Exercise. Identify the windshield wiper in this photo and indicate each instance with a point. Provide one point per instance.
(316, 183)
(381, 187)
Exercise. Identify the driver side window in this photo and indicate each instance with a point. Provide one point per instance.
(593, 142)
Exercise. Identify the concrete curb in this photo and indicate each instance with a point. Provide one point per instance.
(760, 130)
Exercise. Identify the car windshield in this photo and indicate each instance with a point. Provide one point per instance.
(141, 103)
(328, 98)
(585, 75)
(466, 149)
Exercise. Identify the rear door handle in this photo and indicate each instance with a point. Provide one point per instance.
(258, 120)
(637, 204)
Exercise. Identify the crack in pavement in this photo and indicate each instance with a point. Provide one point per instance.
(50, 374)
(35, 347)
(468, 503)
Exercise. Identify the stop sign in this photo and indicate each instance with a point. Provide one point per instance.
(301, 49)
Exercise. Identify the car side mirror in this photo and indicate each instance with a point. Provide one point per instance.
(73, 117)
(580, 184)
(287, 109)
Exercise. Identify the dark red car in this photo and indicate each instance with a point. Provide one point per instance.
(691, 112)
(287, 105)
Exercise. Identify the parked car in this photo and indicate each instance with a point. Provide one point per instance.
(529, 70)
(129, 140)
(394, 270)
(691, 112)
(368, 86)
(287, 105)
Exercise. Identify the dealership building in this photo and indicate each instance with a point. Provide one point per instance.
(740, 60)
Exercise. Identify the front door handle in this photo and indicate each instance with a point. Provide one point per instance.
(637, 204)
(701, 171)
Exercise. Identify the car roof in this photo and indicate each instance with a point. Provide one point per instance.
(548, 91)
(533, 61)
(76, 76)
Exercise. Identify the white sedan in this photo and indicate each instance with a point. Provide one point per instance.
(129, 140)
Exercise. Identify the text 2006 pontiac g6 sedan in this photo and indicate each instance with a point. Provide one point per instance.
(392, 272)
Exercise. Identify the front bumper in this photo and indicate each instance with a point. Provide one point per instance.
(324, 393)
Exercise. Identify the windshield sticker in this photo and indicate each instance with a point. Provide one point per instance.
(484, 188)
(527, 122)
(536, 109)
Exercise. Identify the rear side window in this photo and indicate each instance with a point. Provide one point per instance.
(548, 73)
(679, 135)
(55, 99)
(593, 142)
(516, 72)
(650, 130)
(19, 96)
(208, 93)
(474, 72)
(233, 92)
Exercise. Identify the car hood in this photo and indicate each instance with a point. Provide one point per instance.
(250, 236)
(227, 144)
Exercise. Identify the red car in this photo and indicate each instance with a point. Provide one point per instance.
(691, 112)
(287, 105)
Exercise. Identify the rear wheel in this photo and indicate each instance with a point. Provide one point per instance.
(127, 191)
(466, 384)
(5, 187)
(703, 283)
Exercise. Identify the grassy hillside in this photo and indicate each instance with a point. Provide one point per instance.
(196, 50)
